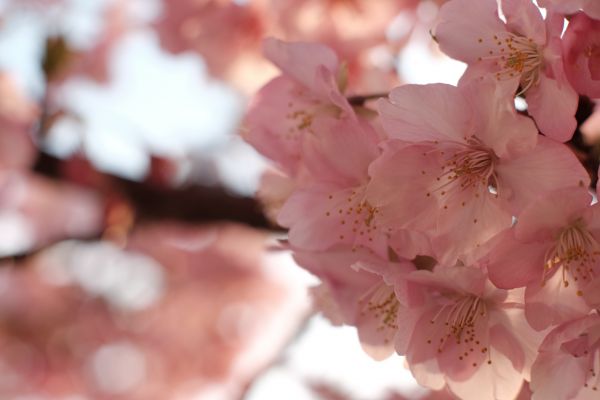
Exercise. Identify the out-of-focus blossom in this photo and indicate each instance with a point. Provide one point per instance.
(35, 211)
(355, 30)
(219, 317)
(18, 116)
(93, 62)
(219, 30)
(274, 190)
(243, 314)
(582, 54)
(525, 53)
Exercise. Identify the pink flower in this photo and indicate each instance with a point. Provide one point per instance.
(331, 209)
(465, 333)
(582, 54)
(590, 7)
(554, 253)
(219, 30)
(283, 111)
(36, 211)
(568, 364)
(351, 293)
(465, 141)
(524, 52)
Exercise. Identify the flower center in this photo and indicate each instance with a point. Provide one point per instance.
(576, 250)
(383, 305)
(516, 56)
(458, 320)
(356, 218)
(469, 168)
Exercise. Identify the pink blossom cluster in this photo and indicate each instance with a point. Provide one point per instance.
(446, 225)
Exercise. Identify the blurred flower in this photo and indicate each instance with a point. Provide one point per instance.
(176, 316)
(18, 115)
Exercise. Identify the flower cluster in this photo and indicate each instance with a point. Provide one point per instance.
(444, 224)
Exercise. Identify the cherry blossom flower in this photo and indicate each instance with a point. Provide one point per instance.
(524, 52)
(590, 7)
(219, 30)
(223, 314)
(465, 333)
(472, 163)
(555, 253)
(283, 111)
(331, 209)
(353, 293)
(568, 364)
(582, 54)
(35, 211)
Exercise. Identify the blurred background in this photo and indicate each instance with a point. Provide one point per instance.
(134, 261)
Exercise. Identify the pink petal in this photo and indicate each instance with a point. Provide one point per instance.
(557, 377)
(345, 284)
(553, 103)
(503, 340)
(376, 334)
(300, 60)
(461, 229)
(495, 381)
(581, 64)
(341, 150)
(514, 264)
(427, 374)
(496, 123)
(591, 294)
(419, 113)
(408, 318)
(460, 359)
(430, 342)
(542, 219)
(552, 303)
(524, 178)
(592, 8)
(524, 18)
(557, 373)
(398, 188)
(408, 243)
(323, 215)
(466, 29)
(513, 319)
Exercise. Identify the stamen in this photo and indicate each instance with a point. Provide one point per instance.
(457, 320)
(576, 251)
(383, 305)
(470, 167)
(516, 56)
